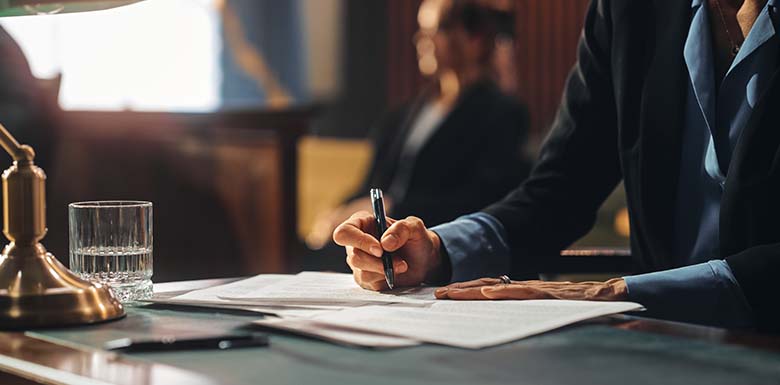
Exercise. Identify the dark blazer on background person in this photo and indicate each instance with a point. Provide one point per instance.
(622, 118)
(474, 157)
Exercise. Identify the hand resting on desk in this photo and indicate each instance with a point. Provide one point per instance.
(492, 288)
(417, 259)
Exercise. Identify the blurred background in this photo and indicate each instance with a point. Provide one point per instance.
(255, 125)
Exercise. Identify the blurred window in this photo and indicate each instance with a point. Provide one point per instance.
(158, 55)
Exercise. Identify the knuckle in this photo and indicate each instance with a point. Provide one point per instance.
(363, 243)
(401, 226)
(415, 222)
(360, 215)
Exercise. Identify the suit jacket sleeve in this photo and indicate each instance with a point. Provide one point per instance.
(756, 271)
(578, 166)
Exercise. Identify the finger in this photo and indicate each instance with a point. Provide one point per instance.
(372, 281)
(354, 232)
(514, 291)
(474, 283)
(359, 259)
(442, 291)
(368, 281)
(411, 228)
(471, 293)
(369, 277)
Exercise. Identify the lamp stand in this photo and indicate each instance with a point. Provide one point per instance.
(36, 290)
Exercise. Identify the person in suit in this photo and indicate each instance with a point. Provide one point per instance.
(458, 146)
(678, 99)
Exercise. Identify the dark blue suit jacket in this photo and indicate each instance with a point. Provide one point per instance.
(621, 118)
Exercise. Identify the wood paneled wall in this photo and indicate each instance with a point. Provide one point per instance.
(403, 78)
(547, 34)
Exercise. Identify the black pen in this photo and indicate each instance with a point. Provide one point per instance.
(381, 226)
(171, 343)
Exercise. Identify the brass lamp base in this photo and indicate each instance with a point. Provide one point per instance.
(38, 291)
(35, 289)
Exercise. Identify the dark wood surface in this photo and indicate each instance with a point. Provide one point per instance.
(71, 364)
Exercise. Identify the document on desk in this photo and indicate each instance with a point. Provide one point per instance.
(315, 288)
(237, 288)
(472, 324)
(336, 334)
(210, 297)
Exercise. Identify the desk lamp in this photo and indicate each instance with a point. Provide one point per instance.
(36, 290)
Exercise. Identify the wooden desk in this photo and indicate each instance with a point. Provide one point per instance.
(619, 350)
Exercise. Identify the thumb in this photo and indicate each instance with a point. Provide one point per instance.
(402, 232)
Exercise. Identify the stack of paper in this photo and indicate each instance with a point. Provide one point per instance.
(212, 297)
(313, 288)
(332, 307)
(472, 324)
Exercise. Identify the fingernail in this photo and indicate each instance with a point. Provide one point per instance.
(441, 291)
(376, 251)
(402, 267)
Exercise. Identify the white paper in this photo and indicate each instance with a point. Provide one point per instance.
(315, 288)
(236, 288)
(209, 297)
(337, 334)
(472, 324)
(279, 311)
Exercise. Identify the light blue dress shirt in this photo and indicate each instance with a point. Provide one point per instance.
(705, 291)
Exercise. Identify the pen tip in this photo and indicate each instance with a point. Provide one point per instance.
(389, 279)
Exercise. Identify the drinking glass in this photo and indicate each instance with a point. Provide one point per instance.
(111, 244)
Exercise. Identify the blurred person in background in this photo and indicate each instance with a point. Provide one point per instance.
(458, 146)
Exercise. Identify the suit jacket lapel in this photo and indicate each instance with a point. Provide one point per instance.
(753, 166)
(755, 149)
(661, 122)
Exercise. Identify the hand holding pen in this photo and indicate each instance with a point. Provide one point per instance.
(416, 251)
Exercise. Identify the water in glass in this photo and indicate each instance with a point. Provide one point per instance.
(127, 270)
(111, 244)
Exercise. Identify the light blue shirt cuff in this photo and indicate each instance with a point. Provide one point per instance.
(705, 293)
(476, 244)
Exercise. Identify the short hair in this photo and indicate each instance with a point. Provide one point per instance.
(478, 19)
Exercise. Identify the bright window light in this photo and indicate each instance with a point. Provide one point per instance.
(157, 55)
